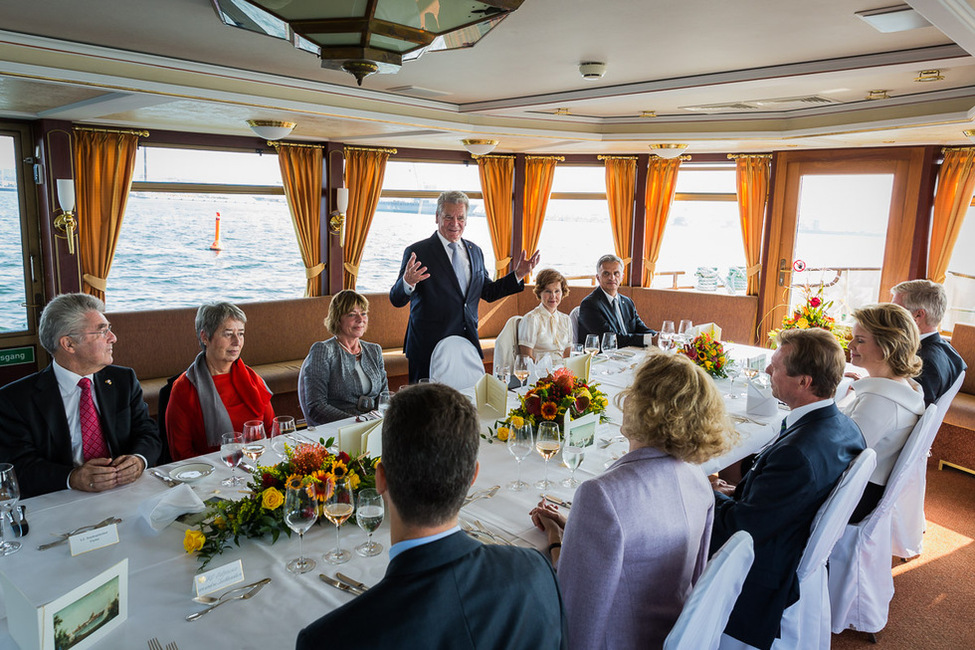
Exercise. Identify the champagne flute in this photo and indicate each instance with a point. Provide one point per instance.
(300, 512)
(591, 346)
(385, 397)
(521, 368)
(547, 444)
(609, 343)
(572, 457)
(520, 443)
(9, 496)
(231, 451)
(253, 438)
(282, 426)
(665, 337)
(339, 507)
(369, 515)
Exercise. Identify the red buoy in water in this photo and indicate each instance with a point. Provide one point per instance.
(216, 245)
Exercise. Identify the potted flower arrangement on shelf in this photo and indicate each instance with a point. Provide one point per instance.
(551, 396)
(707, 352)
(260, 512)
(814, 312)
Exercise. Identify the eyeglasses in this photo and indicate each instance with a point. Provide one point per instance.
(102, 331)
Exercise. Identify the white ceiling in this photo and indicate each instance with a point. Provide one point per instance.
(173, 65)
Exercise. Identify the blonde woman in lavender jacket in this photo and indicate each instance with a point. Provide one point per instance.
(638, 536)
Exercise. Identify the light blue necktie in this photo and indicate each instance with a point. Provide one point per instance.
(457, 261)
(619, 315)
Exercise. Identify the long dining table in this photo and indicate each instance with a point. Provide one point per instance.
(160, 572)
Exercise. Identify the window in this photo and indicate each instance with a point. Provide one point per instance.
(13, 316)
(163, 258)
(960, 279)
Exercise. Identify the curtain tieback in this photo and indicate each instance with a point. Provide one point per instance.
(753, 270)
(352, 270)
(500, 264)
(96, 283)
(312, 272)
(649, 267)
(626, 261)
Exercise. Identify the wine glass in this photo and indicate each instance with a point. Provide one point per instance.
(591, 345)
(339, 507)
(683, 331)
(231, 451)
(556, 358)
(282, 426)
(547, 444)
(572, 457)
(665, 338)
(609, 343)
(385, 397)
(9, 496)
(734, 371)
(520, 443)
(503, 373)
(300, 512)
(369, 515)
(521, 368)
(253, 439)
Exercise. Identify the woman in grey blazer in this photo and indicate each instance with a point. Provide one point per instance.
(638, 537)
(343, 376)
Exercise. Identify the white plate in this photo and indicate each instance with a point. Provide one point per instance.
(189, 472)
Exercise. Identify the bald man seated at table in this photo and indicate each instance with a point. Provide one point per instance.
(80, 423)
(442, 589)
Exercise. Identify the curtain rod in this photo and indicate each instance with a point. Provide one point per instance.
(736, 156)
(499, 156)
(275, 144)
(558, 158)
(144, 134)
(376, 149)
(602, 157)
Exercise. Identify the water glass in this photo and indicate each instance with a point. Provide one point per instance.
(572, 457)
(578, 349)
(665, 337)
(520, 444)
(503, 373)
(232, 452)
(591, 345)
(369, 515)
(547, 444)
(683, 331)
(609, 343)
(300, 512)
(338, 508)
(282, 429)
(385, 397)
(9, 496)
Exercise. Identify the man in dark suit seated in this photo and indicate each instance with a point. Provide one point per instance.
(606, 310)
(80, 423)
(778, 498)
(442, 589)
(443, 279)
(927, 303)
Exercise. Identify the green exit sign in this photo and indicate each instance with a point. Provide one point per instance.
(16, 356)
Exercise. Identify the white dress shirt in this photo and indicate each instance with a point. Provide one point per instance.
(71, 396)
(461, 249)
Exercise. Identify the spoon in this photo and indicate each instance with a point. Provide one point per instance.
(209, 600)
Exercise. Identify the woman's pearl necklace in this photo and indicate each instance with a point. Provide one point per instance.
(347, 349)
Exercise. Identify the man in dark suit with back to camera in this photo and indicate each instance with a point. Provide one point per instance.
(443, 279)
(607, 310)
(80, 423)
(442, 589)
(778, 498)
(927, 303)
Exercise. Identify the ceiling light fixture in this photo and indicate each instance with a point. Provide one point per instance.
(592, 70)
(877, 94)
(668, 151)
(929, 75)
(271, 129)
(900, 18)
(364, 38)
(479, 147)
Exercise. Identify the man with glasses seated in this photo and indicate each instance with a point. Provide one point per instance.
(607, 310)
(80, 423)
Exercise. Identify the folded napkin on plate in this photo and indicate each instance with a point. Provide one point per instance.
(760, 401)
(162, 510)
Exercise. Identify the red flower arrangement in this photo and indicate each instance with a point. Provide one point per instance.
(551, 396)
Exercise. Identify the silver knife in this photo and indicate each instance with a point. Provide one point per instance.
(349, 581)
(340, 585)
(243, 596)
(557, 501)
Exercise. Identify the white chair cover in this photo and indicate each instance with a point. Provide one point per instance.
(860, 581)
(907, 520)
(709, 605)
(805, 624)
(455, 362)
(506, 345)
(574, 322)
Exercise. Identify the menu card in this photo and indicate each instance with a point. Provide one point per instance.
(580, 432)
(579, 366)
(491, 395)
(358, 437)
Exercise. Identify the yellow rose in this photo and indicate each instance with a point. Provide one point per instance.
(503, 434)
(517, 421)
(354, 480)
(802, 324)
(272, 499)
(193, 540)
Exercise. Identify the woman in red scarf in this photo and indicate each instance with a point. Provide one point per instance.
(218, 392)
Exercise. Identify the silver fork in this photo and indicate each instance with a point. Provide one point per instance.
(154, 644)
(172, 646)
(500, 540)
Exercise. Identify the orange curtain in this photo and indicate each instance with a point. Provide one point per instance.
(301, 171)
(104, 163)
(956, 182)
(497, 181)
(539, 172)
(620, 188)
(364, 171)
(661, 188)
(752, 187)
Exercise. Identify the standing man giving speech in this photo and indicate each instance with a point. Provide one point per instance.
(443, 278)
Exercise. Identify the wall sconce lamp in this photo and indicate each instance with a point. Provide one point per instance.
(336, 224)
(65, 222)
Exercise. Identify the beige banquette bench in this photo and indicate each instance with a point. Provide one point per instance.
(955, 442)
(161, 343)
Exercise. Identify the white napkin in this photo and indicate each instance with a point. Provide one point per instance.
(711, 328)
(162, 510)
(760, 400)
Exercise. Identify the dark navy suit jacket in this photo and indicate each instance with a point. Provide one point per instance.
(34, 433)
(438, 307)
(942, 367)
(776, 503)
(451, 594)
(596, 316)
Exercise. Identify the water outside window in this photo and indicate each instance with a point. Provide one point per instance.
(13, 290)
(960, 280)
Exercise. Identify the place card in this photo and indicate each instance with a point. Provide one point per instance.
(580, 366)
(350, 437)
(88, 613)
(89, 541)
(580, 432)
(491, 397)
(219, 578)
(372, 441)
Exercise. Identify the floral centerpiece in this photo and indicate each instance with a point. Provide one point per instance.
(502, 429)
(551, 396)
(707, 352)
(260, 512)
(813, 313)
